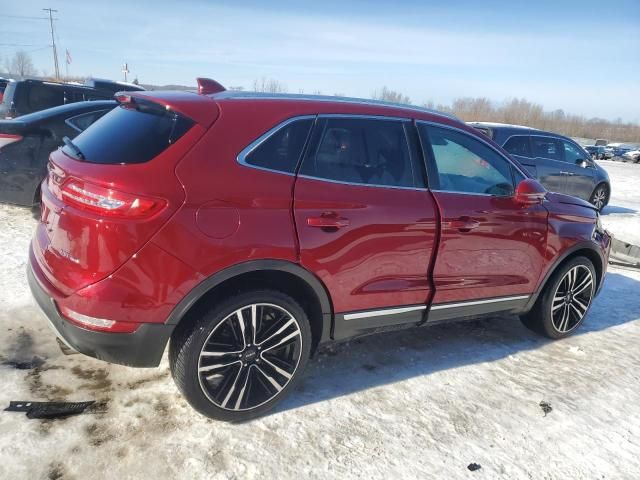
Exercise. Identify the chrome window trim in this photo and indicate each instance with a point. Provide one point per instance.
(478, 138)
(241, 158)
(310, 177)
(442, 306)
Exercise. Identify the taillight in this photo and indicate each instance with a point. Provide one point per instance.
(108, 202)
(6, 139)
(101, 324)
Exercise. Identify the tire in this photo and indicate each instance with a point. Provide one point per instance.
(559, 310)
(600, 196)
(250, 374)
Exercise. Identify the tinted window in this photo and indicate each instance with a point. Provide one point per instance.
(45, 96)
(572, 153)
(360, 150)
(82, 122)
(467, 165)
(282, 149)
(546, 147)
(128, 135)
(518, 145)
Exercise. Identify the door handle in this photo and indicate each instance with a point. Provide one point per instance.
(464, 224)
(328, 220)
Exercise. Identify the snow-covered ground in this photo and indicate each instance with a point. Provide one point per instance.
(424, 403)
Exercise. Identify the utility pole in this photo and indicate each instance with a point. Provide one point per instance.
(53, 42)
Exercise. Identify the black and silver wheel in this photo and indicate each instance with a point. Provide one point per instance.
(243, 355)
(600, 196)
(563, 304)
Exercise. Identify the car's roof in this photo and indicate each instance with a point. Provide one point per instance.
(68, 108)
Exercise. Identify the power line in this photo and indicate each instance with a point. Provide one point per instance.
(53, 42)
(20, 45)
(25, 17)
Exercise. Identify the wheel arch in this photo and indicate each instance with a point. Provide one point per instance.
(582, 249)
(281, 275)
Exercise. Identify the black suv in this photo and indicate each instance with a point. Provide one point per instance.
(558, 162)
(27, 96)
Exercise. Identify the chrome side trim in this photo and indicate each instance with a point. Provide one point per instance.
(478, 302)
(387, 311)
(309, 177)
(242, 156)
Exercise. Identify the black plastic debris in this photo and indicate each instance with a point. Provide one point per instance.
(474, 466)
(546, 407)
(49, 410)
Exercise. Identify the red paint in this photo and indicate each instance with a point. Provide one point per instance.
(370, 247)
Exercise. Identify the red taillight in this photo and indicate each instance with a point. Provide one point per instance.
(6, 139)
(108, 202)
(99, 324)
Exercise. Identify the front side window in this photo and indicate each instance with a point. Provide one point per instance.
(547, 147)
(518, 145)
(572, 153)
(362, 151)
(282, 149)
(465, 164)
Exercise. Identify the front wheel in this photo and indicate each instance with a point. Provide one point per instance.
(565, 300)
(242, 356)
(600, 196)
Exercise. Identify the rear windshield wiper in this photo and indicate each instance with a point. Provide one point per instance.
(67, 141)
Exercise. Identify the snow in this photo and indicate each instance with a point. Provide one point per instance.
(421, 403)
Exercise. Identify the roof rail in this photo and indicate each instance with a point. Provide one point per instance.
(207, 86)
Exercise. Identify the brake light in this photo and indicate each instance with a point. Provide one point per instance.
(100, 324)
(6, 139)
(108, 202)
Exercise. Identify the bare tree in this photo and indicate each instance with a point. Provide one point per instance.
(389, 95)
(268, 85)
(21, 64)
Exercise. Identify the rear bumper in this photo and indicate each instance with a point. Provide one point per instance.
(143, 348)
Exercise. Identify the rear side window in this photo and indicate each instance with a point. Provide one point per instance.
(82, 122)
(518, 145)
(45, 96)
(546, 147)
(362, 151)
(280, 149)
(130, 135)
(467, 165)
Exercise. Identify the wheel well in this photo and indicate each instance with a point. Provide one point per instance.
(583, 252)
(606, 185)
(282, 281)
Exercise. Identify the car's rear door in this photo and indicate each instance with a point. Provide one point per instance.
(491, 249)
(365, 221)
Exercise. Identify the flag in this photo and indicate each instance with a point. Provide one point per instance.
(68, 57)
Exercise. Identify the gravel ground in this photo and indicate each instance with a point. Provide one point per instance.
(423, 403)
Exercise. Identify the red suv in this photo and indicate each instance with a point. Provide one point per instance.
(245, 230)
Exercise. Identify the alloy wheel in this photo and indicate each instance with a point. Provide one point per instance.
(599, 198)
(250, 356)
(572, 298)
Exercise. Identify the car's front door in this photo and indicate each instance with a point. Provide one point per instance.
(550, 165)
(581, 172)
(366, 223)
(491, 249)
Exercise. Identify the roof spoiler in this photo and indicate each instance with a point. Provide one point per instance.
(207, 86)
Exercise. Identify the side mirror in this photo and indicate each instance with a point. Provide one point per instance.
(529, 192)
(584, 163)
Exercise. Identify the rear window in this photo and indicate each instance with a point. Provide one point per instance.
(127, 135)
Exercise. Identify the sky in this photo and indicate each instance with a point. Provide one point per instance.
(579, 56)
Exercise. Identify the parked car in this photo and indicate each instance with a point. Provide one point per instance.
(620, 150)
(3, 84)
(25, 144)
(632, 156)
(28, 96)
(559, 163)
(247, 229)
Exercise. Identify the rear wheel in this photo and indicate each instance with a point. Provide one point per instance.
(600, 196)
(243, 356)
(565, 301)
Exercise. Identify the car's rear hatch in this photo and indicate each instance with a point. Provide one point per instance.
(114, 186)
